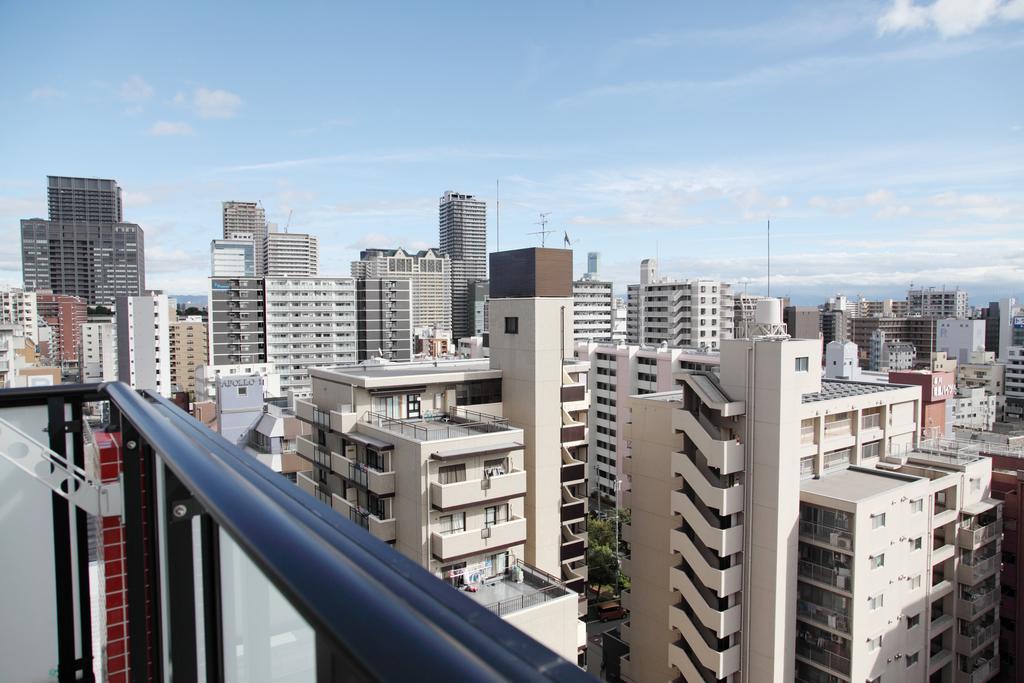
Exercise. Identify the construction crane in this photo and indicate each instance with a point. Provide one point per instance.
(286, 225)
(543, 232)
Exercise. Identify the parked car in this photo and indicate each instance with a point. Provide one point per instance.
(610, 610)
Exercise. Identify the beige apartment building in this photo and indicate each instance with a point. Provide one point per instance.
(475, 469)
(786, 527)
(188, 352)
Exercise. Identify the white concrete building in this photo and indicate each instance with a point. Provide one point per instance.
(18, 307)
(886, 354)
(974, 409)
(233, 258)
(618, 371)
(937, 303)
(429, 273)
(960, 337)
(841, 361)
(619, 327)
(804, 533)
(593, 310)
(206, 378)
(291, 254)
(310, 323)
(691, 313)
(143, 342)
(99, 352)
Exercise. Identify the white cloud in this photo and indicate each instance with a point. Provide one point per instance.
(216, 104)
(949, 17)
(45, 92)
(163, 128)
(135, 90)
(425, 154)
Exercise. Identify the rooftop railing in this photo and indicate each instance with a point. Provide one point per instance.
(232, 572)
(454, 423)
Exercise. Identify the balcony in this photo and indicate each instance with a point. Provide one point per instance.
(980, 670)
(574, 434)
(724, 455)
(832, 661)
(573, 470)
(572, 393)
(520, 587)
(974, 570)
(969, 641)
(256, 546)
(494, 488)
(452, 546)
(383, 529)
(835, 537)
(380, 483)
(971, 603)
(834, 577)
(976, 533)
(574, 546)
(573, 508)
(823, 616)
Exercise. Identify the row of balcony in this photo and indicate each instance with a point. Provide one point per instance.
(453, 545)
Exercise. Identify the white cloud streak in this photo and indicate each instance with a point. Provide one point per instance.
(950, 18)
(167, 128)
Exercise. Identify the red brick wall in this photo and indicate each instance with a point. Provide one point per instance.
(113, 594)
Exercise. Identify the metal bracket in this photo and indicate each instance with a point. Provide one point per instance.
(58, 474)
(185, 510)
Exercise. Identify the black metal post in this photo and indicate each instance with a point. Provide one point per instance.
(62, 553)
(211, 600)
(178, 512)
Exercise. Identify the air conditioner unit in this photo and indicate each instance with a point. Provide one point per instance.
(842, 582)
(844, 543)
(485, 483)
(832, 620)
(485, 532)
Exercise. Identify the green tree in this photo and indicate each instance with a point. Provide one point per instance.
(601, 565)
(601, 532)
(98, 310)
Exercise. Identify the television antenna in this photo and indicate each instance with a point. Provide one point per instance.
(543, 232)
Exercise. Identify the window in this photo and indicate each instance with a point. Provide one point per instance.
(878, 521)
(878, 560)
(876, 601)
(453, 523)
(450, 474)
(915, 582)
(496, 514)
(916, 543)
(917, 505)
(242, 391)
(912, 659)
(412, 405)
(913, 620)
(511, 325)
(874, 643)
(801, 364)
(871, 450)
(495, 468)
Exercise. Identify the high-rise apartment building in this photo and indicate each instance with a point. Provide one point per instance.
(144, 343)
(233, 258)
(84, 249)
(188, 352)
(463, 238)
(480, 305)
(310, 322)
(236, 321)
(921, 332)
(290, 254)
(429, 272)
(18, 307)
(247, 221)
(691, 313)
(64, 316)
(98, 356)
(937, 303)
(618, 371)
(384, 314)
(593, 310)
(475, 469)
(805, 533)
(1014, 347)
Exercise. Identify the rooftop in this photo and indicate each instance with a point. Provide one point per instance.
(398, 374)
(455, 423)
(840, 388)
(520, 587)
(855, 484)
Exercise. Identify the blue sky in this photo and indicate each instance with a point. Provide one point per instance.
(884, 139)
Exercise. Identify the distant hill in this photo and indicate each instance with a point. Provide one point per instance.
(198, 300)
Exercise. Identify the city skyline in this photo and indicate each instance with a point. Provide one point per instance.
(883, 139)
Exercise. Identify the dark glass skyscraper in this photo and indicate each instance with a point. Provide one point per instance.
(463, 228)
(85, 248)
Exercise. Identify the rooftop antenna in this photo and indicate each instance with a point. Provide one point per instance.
(497, 211)
(286, 225)
(543, 232)
(769, 257)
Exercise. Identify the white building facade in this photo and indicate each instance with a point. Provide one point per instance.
(592, 310)
(291, 254)
(310, 322)
(143, 342)
(691, 314)
(99, 352)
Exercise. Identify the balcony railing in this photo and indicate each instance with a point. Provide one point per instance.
(831, 576)
(834, 536)
(449, 425)
(823, 615)
(257, 553)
